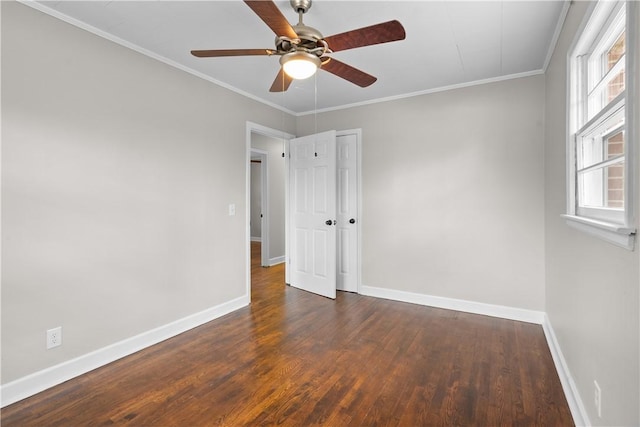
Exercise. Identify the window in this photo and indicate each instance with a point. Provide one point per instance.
(599, 170)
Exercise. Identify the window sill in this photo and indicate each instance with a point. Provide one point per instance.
(616, 234)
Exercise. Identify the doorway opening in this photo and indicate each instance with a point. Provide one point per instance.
(265, 145)
(259, 205)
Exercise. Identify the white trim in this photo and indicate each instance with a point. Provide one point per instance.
(1, 175)
(49, 377)
(501, 311)
(267, 131)
(424, 92)
(256, 239)
(556, 34)
(611, 110)
(615, 234)
(577, 408)
(84, 26)
(604, 225)
(632, 106)
(265, 198)
(105, 35)
(100, 33)
(578, 411)
(571, 119)
(613, 218)
(358, 134)
(276, 260)
(287, 220)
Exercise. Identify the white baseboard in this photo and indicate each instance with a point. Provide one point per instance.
(504, 312)
(578, 411)
(576, 406)
(276, 260)
(256, 239)
(47, 378)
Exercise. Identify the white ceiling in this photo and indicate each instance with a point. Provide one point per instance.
(448, 43)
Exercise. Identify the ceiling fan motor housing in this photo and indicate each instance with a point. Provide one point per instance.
(306, 33)
(300, 5)
(308, 37)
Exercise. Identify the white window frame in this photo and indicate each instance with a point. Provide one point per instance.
(617, 226)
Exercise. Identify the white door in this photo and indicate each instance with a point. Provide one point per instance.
(347, 213)
(312, 205)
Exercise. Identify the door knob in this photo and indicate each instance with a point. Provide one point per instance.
(352, 221)
(329, 222)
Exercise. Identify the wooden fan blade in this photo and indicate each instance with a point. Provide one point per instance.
(349, 73)
(281, 83)
(375, 34)
(230, 52)
(271, 15)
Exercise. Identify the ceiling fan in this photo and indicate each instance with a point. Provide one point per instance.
(303, 49)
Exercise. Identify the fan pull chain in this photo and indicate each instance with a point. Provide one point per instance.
(282, 124)
(315, 102)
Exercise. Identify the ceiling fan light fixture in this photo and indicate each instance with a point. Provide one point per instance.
(300, 65)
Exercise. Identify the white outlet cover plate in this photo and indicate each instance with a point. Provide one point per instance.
(598, 398)
(54, 337)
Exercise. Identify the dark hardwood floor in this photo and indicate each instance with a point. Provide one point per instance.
(296, 359)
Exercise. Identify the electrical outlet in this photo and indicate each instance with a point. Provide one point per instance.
(232, 209)
(597, 398)
(54, 337)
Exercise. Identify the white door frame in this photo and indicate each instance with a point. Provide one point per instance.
(273, 133)
(358, 134)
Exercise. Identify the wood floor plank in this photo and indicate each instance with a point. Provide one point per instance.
(296, 359)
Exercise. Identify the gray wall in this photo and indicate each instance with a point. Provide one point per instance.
(452, 192)
(276, 179)
(592, 297)
(117, 172)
